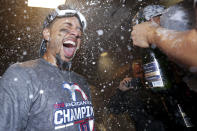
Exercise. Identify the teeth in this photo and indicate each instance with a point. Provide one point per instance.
(70, 42)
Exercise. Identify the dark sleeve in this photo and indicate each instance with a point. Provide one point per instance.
(117, 103)
(14, 100)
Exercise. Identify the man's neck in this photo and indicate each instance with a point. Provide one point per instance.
(50, 58)
(57, 61)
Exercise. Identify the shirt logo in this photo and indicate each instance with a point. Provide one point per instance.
(74, 112)
(72, 88)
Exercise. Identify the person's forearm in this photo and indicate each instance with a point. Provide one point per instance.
(181, 46)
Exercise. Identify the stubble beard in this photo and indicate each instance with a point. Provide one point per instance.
(61, 64)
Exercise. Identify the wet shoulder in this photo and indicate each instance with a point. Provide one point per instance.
(22, 68)
(80, 79)
(27, 64)
(78, 76)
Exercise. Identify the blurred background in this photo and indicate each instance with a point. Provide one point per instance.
(106, 55)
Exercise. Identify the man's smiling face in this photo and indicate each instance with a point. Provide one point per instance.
(64, 37)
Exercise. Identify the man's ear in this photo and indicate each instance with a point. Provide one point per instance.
(46, 34)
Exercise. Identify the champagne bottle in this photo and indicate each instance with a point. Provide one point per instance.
(158, 77)
(155, 66)
(153, 60)
(186, 119)
(155, 72)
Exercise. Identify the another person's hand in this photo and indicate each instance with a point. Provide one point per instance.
(143, 34)
(124, 84)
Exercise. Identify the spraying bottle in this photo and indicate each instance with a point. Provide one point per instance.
(153, 60)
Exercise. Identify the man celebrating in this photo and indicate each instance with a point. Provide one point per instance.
(43, 94)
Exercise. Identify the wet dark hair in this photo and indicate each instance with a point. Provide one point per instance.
(54, 15)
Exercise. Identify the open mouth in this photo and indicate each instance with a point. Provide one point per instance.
(69, 48)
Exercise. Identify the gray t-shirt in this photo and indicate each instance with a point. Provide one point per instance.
(37, 96)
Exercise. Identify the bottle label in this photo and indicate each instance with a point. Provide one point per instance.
(153, 74)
